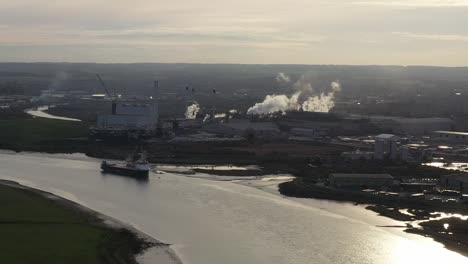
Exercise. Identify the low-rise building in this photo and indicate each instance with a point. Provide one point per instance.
(239, 128)
(455, 182)
(360, 181)
(358, 155)
(417, 187)
(451, 136)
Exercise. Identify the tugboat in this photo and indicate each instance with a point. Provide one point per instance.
(136, 166)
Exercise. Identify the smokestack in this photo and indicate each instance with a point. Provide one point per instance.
(114, 107)
(156, 89)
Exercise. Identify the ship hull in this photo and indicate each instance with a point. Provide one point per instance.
(124, 171)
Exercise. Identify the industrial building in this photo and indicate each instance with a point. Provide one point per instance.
(386, 147)
(237, 127)
(128, 119)
(357, 155)
(360, 181)
(412, 126)
(457, 182)
(451, 136)
(415, 152)
(307, 132)
(418, 187)
(131, 115)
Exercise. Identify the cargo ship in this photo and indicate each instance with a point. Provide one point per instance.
(136, 166)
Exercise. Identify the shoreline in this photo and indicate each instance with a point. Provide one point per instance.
(419, 218)
(140, 243)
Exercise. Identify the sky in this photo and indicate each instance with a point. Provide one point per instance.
(348, 32)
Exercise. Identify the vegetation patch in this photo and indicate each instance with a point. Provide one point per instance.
(36, 229)
(43, 134)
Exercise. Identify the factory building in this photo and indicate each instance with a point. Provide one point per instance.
(457, 182)
(308, 132)
(360, 181)
(412, 126)
(415, 152)
(451, 136)
(239, 128)
(386, 147)
(131, 115)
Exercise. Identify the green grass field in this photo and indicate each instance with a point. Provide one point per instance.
(34, 229)
(39, 133)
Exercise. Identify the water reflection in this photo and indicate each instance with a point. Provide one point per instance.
(39, 112)
(422, 251)
(461, 166)
(141, 183)
(223, 222)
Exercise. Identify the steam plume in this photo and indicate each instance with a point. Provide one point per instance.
(192, 111)
(281, 77)
(275, 103)
(323, 102)
(304, 98)
(222, 115)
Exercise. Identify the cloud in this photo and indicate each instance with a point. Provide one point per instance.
(440, 37)
(242, 31)
(417, 3)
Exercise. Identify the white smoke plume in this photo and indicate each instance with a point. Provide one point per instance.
(275, 103)
(207, 116)
(281, 77)
(323, 102)
(192, 111)
(305, 98)
(222, 115)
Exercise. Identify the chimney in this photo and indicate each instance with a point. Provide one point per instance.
(156, 89)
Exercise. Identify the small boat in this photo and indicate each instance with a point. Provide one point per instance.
(136, 166)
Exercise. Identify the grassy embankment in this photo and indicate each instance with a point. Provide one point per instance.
(36, 229)
(41, 134)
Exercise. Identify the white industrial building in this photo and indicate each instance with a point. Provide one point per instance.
(140, 115)
(386, 146)
(360, 181)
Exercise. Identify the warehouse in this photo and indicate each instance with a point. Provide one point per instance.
(360, 181)
(457, 182)
(130, 115)
(451, 136)
(386, 146)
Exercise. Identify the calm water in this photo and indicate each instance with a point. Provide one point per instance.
(225, 222)
(39, 112)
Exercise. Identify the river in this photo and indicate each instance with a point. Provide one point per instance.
(210, 222)
(39, 112)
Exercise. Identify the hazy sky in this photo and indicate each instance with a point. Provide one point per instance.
(413, 32)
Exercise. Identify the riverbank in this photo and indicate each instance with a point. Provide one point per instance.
(451, 230)
(55, 230)
(443, 223)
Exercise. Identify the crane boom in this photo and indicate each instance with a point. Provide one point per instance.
(103, 84)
